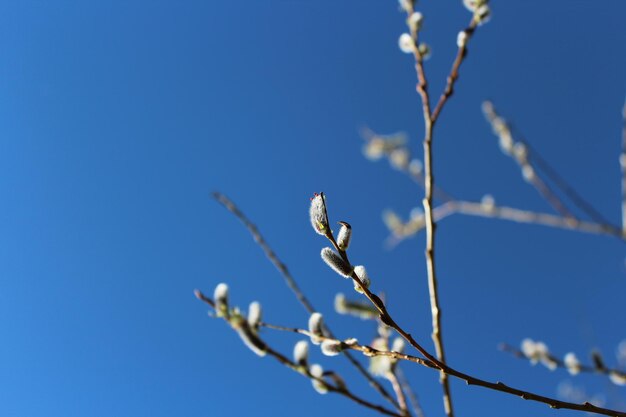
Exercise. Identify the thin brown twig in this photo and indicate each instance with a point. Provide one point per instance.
(415, 404)
(429, 185)
(469, 380)
(293, 286)
(622, 161)
(454, 72)
(340, 389)
(559, 363)
(519, 153)
(397, 388)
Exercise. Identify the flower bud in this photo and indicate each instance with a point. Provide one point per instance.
(336, 262)
(360, 272)
(482, 14)
(317, 213)
(344, 236)
(319, 385)
(406, 43)
(572, 363)
(617, 378)
(248, 336)
(220, 296)
(254, 315)
(398, 345)
(461, 39)
(316, 328)
(424, 51)
(301, 353)
(331, 347)
(415, 21)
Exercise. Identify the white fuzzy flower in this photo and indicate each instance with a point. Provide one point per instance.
(617, 378)
(317, 214)
(316, 328)
(482, 14)
(220, 296)
(572, 363)
(415, 21)
(331, 347)
(318, 372)
(398, 345)
(380, 365)
(406, 43)
(254, 315)
(344, 236)
(336, 262)
(301, 353)
(399, 158)
(360, 272)
(461, 39)
(248, 336)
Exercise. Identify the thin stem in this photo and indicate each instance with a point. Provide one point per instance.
(519, 153)
(622, 161)
(397, 388)
(415, 404)
(429, 120)
(559, 363)
(469, 380)
(470, 208)
(340, 389)
(454, 72)
(293, 286)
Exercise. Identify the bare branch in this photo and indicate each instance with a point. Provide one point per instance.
(291, 283)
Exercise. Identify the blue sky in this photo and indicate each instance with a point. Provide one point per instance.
(118, 118)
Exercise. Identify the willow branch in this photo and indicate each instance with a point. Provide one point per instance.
(622, 161)
(293, 286)
(415, 404)
(397, 388)
(454, 72)
(469, 380)
(422, 89)
(337, 388)
(559, 363)
(478, 209)
(519, 153)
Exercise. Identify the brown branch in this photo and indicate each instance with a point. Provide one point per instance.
(429, 121)
(469, 380)
(291, 283)
(622, 161)
(397, 388)
(559, 363)
(519, 153)
(340, 389)
(415, 404)
(454, 72)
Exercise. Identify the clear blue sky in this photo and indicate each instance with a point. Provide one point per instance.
(117, 118)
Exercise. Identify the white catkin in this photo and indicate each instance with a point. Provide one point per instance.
(316, 328)
(406, 43)
(617, 378)
(361, 272)
(220, 295)
(318, 372)
(251, 339)
(344, 236)
(461, 39)
(572, 363)
(331, 347)
(254, 314)
(317, 214)
(336, 262)
(301, 352)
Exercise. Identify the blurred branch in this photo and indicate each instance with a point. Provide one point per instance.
(519, 153)
(573, 367)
